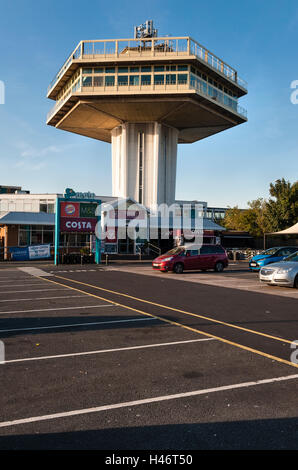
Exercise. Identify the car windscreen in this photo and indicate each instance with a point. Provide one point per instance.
(271, 251)
(292, 257)
(175, 251)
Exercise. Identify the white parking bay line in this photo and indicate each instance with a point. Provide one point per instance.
(43, 298)
(12, 280)
(23, 285)
(52, 327)
(145, 401)
(57, 308)
(33, 290)
(102, 351)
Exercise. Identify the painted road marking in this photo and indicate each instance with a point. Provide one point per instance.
(102, 351)
(35, 271)
(51, 327)
(31, 290)
(145, 401)
(213, 320)
(231, 343)
(43, 298)
(12, 280)
(57, 308)
(22, 285)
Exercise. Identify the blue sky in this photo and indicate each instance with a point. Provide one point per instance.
(258, 38)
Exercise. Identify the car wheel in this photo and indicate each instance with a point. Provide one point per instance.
(219, 267)
(296, 282)
(178, 268)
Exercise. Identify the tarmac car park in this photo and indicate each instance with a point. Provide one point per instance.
(127, 357)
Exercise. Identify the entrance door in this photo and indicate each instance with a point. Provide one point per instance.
(126, 247)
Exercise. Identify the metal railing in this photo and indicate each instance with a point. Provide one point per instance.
(148, 47)
(200, 86)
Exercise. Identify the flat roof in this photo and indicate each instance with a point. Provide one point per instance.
(26, 218)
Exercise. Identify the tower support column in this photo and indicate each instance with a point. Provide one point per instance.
(144, 159)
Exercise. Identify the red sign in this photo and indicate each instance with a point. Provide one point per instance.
(70, 209)
(77, 224)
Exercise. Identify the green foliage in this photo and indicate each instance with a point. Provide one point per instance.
(282, 207)
(278, 213)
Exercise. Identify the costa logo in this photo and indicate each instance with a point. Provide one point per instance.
(70, 209)
(79, 225)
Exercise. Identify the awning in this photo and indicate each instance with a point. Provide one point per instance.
(288, 231)
(26, 218)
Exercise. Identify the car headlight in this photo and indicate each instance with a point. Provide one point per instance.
(167, 259)
(283, 270)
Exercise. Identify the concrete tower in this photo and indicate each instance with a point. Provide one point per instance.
(145, 95)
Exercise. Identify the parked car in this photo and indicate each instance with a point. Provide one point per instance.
(272, 255)
(192, 257)
(284, 273)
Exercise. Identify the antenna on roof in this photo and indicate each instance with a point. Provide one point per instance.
(145, 30)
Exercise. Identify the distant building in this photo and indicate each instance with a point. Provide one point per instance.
(29, 219)
(12, 190)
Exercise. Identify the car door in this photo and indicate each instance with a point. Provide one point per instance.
(204, 260)
(190, 260)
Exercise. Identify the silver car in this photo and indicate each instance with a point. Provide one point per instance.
(283, 273)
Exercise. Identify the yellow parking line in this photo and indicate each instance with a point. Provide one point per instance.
(213, 320)
(181, 325)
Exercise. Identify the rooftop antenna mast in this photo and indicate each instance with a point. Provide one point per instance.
(145, 30)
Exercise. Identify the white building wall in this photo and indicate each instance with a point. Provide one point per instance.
(25, 202)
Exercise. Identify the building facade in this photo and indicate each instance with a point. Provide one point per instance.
(29, 219)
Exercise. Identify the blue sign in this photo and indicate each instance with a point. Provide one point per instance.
(19, 254)
(27, 253)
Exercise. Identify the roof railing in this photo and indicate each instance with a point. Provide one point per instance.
(192, 82)
(148, 47)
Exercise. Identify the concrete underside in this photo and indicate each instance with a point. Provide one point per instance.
(195, 117)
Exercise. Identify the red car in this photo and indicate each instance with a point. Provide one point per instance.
(192, 257)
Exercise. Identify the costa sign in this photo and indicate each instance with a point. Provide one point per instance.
(77, 213)
(77, 224)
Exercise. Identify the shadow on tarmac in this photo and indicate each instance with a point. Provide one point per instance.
(53, 324)
(263, 434)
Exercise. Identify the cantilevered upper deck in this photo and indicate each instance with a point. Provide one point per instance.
(146, 50)
(171, 80)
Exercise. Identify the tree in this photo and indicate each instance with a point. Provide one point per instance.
(252, 220)
(267, 216)
(232, 219)
(282, 211)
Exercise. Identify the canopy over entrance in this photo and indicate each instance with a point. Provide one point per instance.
(288, 231)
